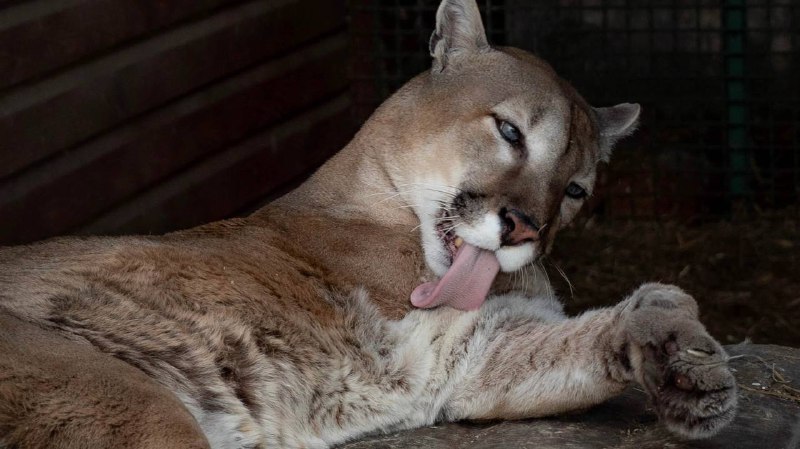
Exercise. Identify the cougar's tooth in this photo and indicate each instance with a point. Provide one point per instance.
(459, 241)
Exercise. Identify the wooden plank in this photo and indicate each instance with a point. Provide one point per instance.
(74, 187)
(39, 36)
(224, 183)
(40, 119)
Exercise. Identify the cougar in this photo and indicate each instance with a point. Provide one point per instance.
(382, 294)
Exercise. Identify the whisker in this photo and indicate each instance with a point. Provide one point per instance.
(419, 187)
(564, 275)
(386, 199)
(515, 279)
(391, 192)
(450, 190)
(524, 275)
(446, 218)
(414, 190)
(400, 192)
(450, 228)
(550, 292)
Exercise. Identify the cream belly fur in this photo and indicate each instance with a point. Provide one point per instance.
(294, 327)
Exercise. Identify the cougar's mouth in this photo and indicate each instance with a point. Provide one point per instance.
(468, 278)
(446, 231)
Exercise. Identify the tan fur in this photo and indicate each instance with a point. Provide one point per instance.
(55, 392)
(293, 328)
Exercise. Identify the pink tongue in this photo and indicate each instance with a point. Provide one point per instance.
(466, 283)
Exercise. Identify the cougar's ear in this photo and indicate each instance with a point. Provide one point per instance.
(459, 30)
(614, 123)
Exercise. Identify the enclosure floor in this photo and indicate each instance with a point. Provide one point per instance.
(745, 275)
(767, 417)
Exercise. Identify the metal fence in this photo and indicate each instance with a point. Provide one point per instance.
(719, 82)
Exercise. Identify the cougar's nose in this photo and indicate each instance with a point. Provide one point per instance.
(518, 227)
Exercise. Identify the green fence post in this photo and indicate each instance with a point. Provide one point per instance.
(734, 17)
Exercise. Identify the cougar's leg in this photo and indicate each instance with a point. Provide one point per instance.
(56, 393)
(538, 368)
(525, 367)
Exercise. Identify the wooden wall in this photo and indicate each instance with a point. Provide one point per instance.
(144, 116)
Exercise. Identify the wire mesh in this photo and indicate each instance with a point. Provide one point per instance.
(719, 82)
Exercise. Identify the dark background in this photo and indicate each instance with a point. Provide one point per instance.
(705, 194)
(719, 82)
(145, 116)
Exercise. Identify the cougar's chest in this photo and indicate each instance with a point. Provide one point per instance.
(388, 262)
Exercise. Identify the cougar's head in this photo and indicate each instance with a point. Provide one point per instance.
(503, 155)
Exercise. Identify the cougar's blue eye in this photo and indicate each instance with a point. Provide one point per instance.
(509, 132)
(575, 191)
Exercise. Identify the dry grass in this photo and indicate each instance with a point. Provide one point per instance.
(745, 275)
(778, 385)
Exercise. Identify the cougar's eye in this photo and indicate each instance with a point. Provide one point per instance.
(509, 132)
(575, 191)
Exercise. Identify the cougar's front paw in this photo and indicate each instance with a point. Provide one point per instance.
(682, 369)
